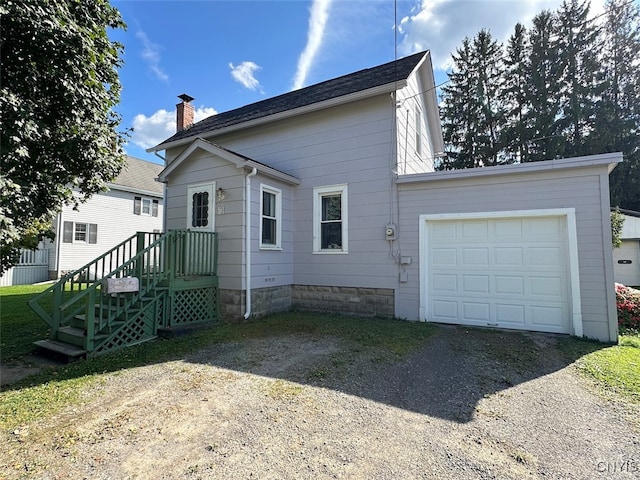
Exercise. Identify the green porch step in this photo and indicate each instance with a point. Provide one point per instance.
(61, 348)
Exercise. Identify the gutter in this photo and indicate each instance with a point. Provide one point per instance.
(247, 236)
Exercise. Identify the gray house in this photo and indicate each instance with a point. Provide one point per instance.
(325, 198)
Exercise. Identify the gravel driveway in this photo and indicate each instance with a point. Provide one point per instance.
(309, 407)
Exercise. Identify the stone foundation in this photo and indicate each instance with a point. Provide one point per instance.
(370, 302)
(348, 300)
(263, 301)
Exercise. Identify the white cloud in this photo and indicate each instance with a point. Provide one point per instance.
(317, 23)
(245, 75)
(441, 25)
(150, 131)
(151, 55)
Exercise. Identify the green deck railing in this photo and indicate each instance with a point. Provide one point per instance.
(155, 259)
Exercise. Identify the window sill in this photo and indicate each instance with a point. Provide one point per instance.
(270, 248)
(330, 252)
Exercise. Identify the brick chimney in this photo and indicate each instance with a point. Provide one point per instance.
(184, 113)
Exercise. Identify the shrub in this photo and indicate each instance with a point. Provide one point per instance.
(628, 305)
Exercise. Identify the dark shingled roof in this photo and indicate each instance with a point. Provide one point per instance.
(141, 175)
(354, 82)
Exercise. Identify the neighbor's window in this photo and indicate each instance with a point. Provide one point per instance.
(80, 233)
(330, 219)
(271, 213)
(145, 206)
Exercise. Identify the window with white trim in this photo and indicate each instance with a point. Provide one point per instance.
(80, 233)
(330, 225)
(270, 217)
(145, 206)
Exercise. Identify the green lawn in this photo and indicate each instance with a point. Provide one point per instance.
(615, 368)
(19, 325)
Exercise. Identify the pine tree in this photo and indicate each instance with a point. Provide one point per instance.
(578, 43)
(459, 111)
(471, 112)
(488, 68)
(618, 114)
(516, 135)
(543, 91)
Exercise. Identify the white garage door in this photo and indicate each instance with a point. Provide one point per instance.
(503, 272)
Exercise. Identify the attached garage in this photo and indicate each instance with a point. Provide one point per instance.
(501, 269)
(524, 247)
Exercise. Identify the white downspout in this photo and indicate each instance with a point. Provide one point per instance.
(247, 236)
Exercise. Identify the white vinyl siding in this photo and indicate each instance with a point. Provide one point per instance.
(330, 219)
(115, 219)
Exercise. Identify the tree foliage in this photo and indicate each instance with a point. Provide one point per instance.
(568, 85)
(59, 130)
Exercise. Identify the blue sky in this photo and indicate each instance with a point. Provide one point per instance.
(229, 53)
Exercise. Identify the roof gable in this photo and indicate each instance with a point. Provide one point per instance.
(240, 161)
(388, 73)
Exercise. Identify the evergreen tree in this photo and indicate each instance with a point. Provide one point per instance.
(459, 112)
(543, 91)
(516, 134)
(618, 117)
(471, 112)
(578, 43)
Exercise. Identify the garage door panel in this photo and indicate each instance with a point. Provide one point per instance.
(509, 228)
(476, 230)
(509, 256)
(545, 257)
(509, 285)
(445, 310)
(444, 257)
(548, 287)
(510, 314)
(443, 232)
(547, 316)
(445, 283)
(475, 284)
(476, 311)
(548, 227)
(474, 257)
(510, 272)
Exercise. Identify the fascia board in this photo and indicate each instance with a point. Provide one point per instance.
(140, 191)
(608, 159)
(352, 97)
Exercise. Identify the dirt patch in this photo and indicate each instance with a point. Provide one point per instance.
(299, 406)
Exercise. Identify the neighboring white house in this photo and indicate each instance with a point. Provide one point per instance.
(325, 198)
(626, 259)
(134, 202)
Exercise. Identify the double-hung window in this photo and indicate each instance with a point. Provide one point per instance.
(270, 217)
(330, 219)
(80, 232)
(145, 206)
